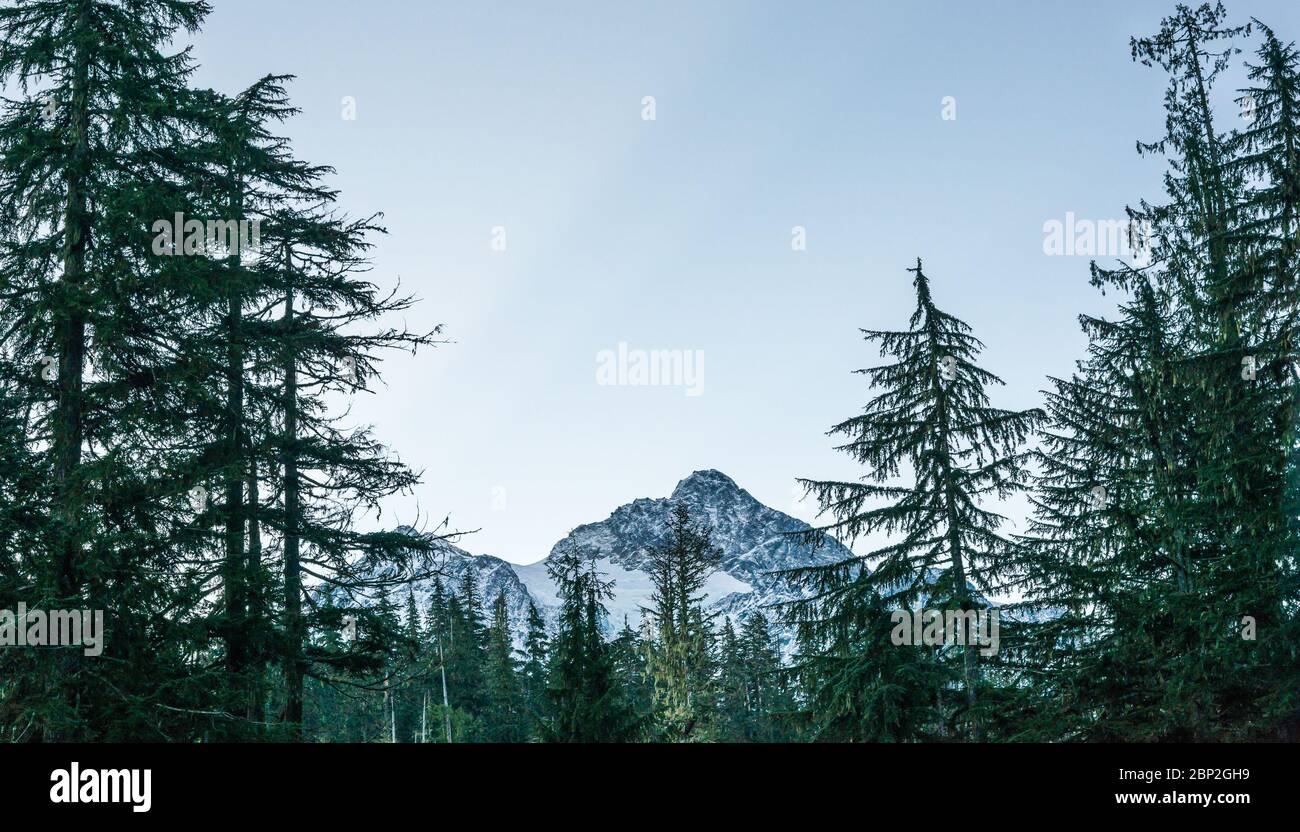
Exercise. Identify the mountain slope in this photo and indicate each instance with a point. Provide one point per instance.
(753, 538)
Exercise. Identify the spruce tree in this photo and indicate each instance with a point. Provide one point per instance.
(466, 656)
(768, 703)
(1105, 556)
(585, 701)
(679, 656)
(629, 650)
(504, 717)
(733, 718)
(1180, 425)
(437, 639)
(89, 159)
(932, 416)
(533, 671)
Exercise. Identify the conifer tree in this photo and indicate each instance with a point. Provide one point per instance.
(733, 719)
(1267, 153)
(629, 651)
(437, 638)
(1114, 473)
(585, 701)
(179, 420)
(504, 719)
(386, 629)
(768, 703)
(932, 415)
(533, 671)
(436, 618)
(679, 656)
(88, 159)
(329, 475)
(412, 675)
(243, 174)
(414, 627)
(465, 655)
(1178, 426)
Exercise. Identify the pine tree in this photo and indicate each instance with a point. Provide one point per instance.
(678, 658)
(329, 474)
(504, 719)
(629, 659)
(768, 704)
(585, 701)
(1179, 425)
(465, 652)
(533, 671)
(1113, 477)
(933, 416)
(91, 322)
(733, 719)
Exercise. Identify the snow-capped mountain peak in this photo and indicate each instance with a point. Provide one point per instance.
(755, 541)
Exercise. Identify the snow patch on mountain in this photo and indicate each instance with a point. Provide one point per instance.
(755, 541)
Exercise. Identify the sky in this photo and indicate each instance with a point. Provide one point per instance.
(544, 218)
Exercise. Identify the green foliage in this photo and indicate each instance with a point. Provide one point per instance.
(933, 418)
(173, 452)
(679, 656)
(1162, 515)
(506, 719)
(585, 703)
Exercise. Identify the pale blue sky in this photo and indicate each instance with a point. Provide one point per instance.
(675, 233)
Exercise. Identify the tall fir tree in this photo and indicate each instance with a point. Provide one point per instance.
(933, 416)
(504, 714)
(465, 654)
(733, 717)
(1104, 553)
(679, 659)
(92, 321)
(586, 703)
(1179, 425)
(533, 671)
(768, 702)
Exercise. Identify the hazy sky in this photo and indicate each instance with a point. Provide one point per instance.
(676, 233)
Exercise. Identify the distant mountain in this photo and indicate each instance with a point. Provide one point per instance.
(753, 538)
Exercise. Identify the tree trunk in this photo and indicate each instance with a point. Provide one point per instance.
(970, 660)
(256, 596)
(294, 629)
(235, 578)
(70, 329)
(70, 337)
